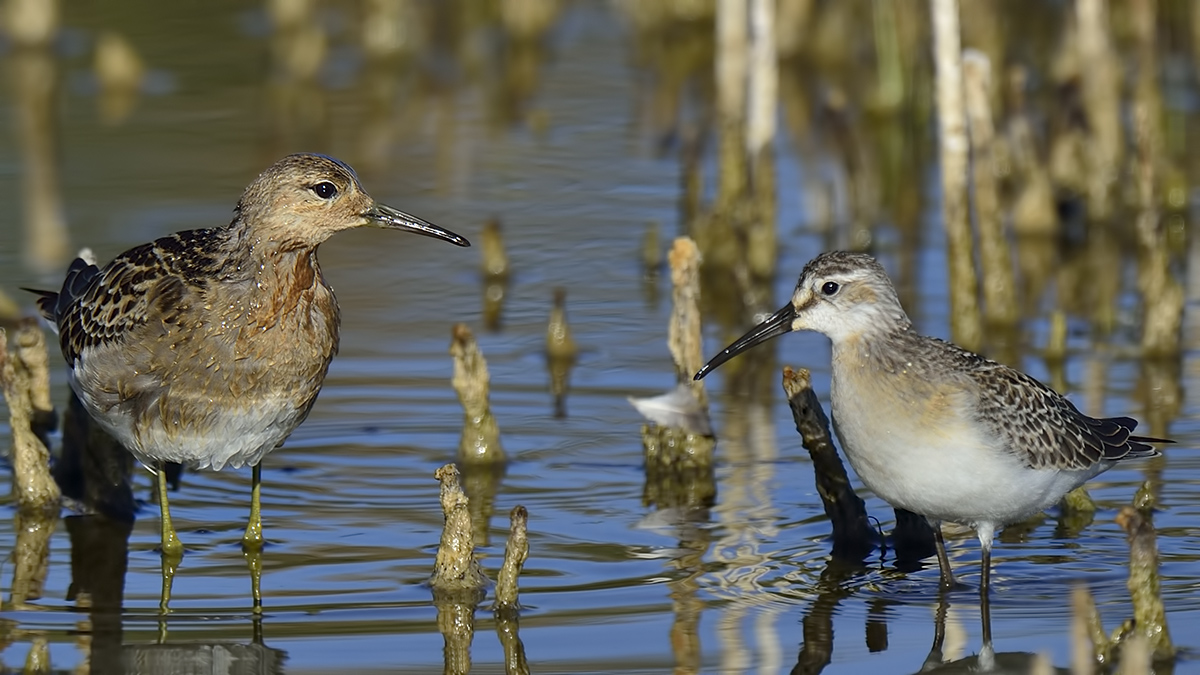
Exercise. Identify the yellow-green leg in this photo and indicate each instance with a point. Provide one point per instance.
(164, 598)
(172, 548)
(253, 539)
(254, 562)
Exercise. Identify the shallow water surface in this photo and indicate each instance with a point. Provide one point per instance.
(567, 159)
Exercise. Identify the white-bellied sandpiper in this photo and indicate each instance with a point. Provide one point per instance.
(933, 428)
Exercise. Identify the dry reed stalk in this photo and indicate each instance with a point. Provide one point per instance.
(999, 285)
(762, 107)
(1100, 73)
(561, 352)
(684, 337)
(515, 554)
(1149, 613)
(966, 326)
(494, 259)
(34, 487)
(732, 63)
(480, 440)
(1085, 640)
(1163, 295)
(456, 569)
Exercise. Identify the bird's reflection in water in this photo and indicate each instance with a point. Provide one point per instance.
(99, 559)
(987, 660)
(835, 585)
(94, 474)
(841, 579)
(229, 658)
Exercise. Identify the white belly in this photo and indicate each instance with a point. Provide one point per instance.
(232, 435)
(922, 454)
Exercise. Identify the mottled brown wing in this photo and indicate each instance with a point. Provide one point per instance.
(1046, 429)
(98, 307)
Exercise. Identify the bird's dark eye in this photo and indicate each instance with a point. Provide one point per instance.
(324, 190)
(830, 287)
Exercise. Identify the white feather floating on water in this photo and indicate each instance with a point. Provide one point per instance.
(677, 408)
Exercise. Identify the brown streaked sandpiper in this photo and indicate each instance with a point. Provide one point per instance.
(208, 347)
(933, 428)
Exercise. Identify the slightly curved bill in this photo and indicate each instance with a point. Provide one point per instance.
(394, 219)
(777, 324)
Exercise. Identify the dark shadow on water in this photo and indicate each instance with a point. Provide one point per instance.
(99, 559)
(93, 469)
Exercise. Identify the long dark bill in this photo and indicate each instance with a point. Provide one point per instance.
(395, 219)
(777, 324)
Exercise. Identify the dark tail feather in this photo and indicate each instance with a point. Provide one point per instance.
(1129, 424)
(1149, 439)
(1136, 448)
(1133, 447)
(47, 302)
(54, 305)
